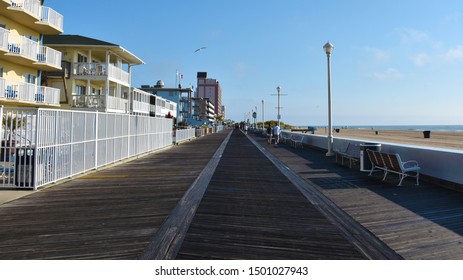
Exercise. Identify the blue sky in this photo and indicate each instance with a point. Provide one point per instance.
(394, 62)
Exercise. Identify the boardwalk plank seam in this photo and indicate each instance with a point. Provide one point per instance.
(168, 239)
(363, 239)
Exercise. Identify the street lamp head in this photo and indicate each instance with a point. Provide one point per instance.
(328, 47)
(278, 88)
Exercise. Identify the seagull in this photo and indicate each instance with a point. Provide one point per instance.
(200, 49)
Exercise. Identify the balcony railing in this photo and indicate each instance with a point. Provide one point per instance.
(25, 92)
(100, 69)
(23, 46)
(100, 102)
(118, 74)
(117, 104)
(49, 56)
(141, 107)
(88, 101)
(52, 18)
(4, 34)
(89, 69)
(30, 6)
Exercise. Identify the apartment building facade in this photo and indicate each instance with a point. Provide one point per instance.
(96, 75)
(210, 89)
(23, 57)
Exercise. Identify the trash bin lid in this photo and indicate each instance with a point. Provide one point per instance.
(370, 144)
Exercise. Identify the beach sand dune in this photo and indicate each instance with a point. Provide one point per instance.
(438, 139)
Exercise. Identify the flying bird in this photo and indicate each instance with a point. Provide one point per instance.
(200, 49)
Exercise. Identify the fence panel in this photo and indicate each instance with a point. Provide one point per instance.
(42, 146)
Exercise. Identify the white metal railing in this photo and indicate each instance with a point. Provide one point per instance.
(42, 146)
(117, 104)
(118, 75)
(88, 101)
(52, 17)
(141, 107)
(88, 69)
(4, 34)
(23, 46)
(30, 6)
(140, 101)
(184, 134)
(49, 56)
(21, 91)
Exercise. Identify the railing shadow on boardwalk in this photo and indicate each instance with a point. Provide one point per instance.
(434, 203)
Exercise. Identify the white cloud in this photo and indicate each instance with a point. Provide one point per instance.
(421, 59)
(410, 36)
(454, 53)
(390, 74)
(379, 54)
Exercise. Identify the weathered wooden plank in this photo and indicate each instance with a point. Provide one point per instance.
(109, 214)
(423, 222)
(252, 211)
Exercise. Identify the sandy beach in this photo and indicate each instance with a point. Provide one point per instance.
(438, 139)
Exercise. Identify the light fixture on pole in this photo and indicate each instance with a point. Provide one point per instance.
(263, 115)
(328, 47)
(279, 115)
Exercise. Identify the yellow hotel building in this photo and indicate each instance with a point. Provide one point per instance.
(23, 57)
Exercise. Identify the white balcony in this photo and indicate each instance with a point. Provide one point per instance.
(118, 75)
(22, 47)
(31, 7)
(32, 14)
(51, 22)
(49, 57)
(116, 104)
(100, 103)
(88, 101)
(141, 107)
(24, 51)
(4, 34)
(21, 92)
(98, 71)
(89, 69)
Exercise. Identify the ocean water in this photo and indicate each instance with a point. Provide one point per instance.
(399, 127)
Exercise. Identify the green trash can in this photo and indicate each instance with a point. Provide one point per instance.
(365, 163)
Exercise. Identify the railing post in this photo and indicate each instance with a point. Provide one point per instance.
(71, 134)
(96, 139)
(55, 147)
(37, 123)
(128, 136)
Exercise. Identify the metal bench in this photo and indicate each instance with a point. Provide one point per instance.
(393, 163)
(352, 153)
(296, 140)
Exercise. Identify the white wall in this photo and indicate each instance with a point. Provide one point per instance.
(444, 164)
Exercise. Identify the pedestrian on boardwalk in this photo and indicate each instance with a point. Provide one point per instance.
(269, 134)
(276, 134)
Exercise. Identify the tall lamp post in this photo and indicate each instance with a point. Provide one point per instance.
(279, 115)
(263, 115)
(328, 47)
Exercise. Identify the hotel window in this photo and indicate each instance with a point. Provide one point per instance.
(80, 90)
(81, 58)
(96, 91)
(29, 78)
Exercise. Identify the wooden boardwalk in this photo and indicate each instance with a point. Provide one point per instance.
(109, 214)
(417, 222)
(252, 211)
(290, 204)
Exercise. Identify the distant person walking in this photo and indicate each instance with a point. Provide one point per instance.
(276, 134)
(245, 129)
(269, 134)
